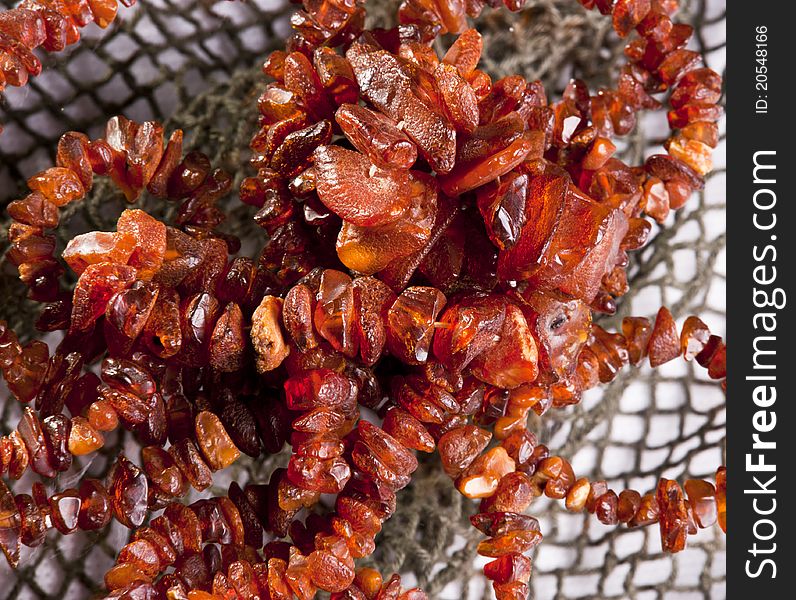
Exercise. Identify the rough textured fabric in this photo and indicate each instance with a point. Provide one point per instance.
(187, 63)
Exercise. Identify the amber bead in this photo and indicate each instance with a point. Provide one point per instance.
(408, 430)
(214, 441)
(702, 498)
(459, 447)
(187, 523)
(357, 190)
(102, 416)
(58, 184)
(694, 337)
(266, 334)
(10, 525)
(664, 344)
(163, 471)
(32, 518)
(721, 497)
(385, 81)
(34, 210)
(95, 287)
(65, 510)
(673, 516)
(482, 477)
(637, 332)
(606, 508)
(376, 136)
(629, 504)
(128, 488)
(96, 507)
(30, 430)
(411, 323)
(512, 542)
(83, 437)
(509, 568)
(190, 462)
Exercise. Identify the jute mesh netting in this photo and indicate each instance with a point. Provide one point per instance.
(195, 64)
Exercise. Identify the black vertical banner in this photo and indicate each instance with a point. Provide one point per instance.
(761, 446)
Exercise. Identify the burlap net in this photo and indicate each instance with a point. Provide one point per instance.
(195, 64)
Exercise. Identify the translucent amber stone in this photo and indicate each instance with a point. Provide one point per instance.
(664, 344)
(629, 504)
(459, 447)
(465, 52)
(122, 576)
(376, 136)
(408, 430)
(369, 581)
(335, 312)
(190, 462)
(481, 478)
(702, 498)
(578, 494)
(95, 287)
(163, 471)
(694, 337)
(511, 542)
(129, 488)
(327, 476)
(328, 572)
(34, 210)
(411, 323)
(637, 332)
(509, 568)
(721, 497)
(10, 524)
(102, 416)
(214, 441)
(673, 516)
(150, 241)
(64, 510)
(511, 362)
(31, 433)
(469, 175)
(371, 249)
(58, 184)
(83, 437)
(387, 83)
(358, 191)
(467, 328)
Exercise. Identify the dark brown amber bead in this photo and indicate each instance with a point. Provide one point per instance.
(31, 432)
(190, 462)
(10, 525)
(163, 471)
(128, 488)
(34, 526)
(57, 430)
(96, 507)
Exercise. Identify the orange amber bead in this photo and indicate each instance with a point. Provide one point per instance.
(58, 184)
(664, 344)
(83, 437)
(721, 497)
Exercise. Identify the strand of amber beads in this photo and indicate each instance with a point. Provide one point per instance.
(50, 25)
